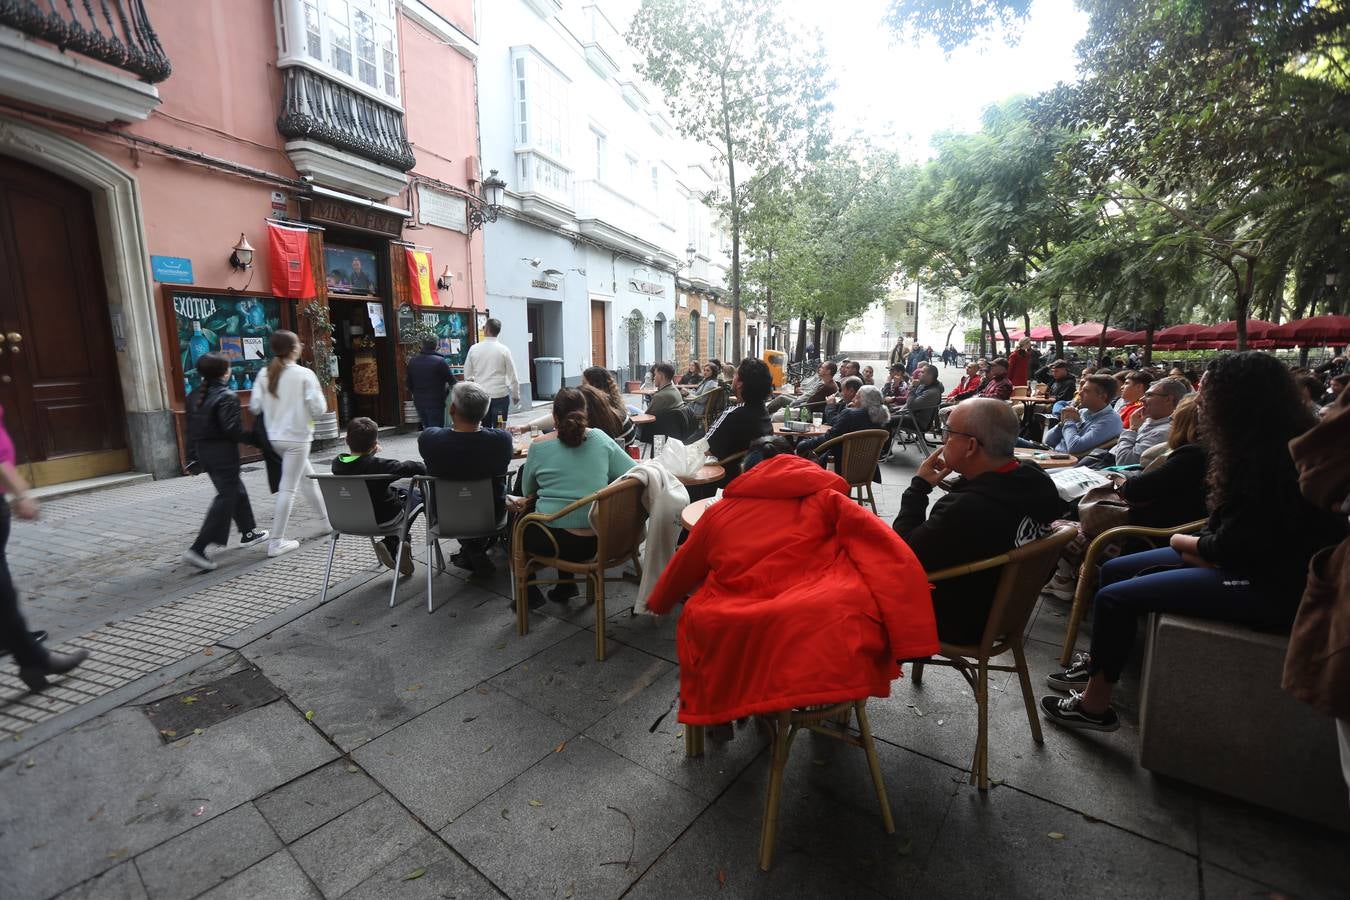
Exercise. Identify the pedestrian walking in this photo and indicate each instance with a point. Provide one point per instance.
(290, 399)
(214, 431)
(35, 661)
(489, 364)
(429, 379)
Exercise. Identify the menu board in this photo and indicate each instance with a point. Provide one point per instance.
(452, 332)
(238, 326)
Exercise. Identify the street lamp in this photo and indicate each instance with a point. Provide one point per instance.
(486, 209)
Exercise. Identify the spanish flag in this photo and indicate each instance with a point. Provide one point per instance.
(419, 277)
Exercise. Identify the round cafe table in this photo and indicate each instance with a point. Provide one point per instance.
(690, 515)
(780, 429)
(520, 449)
(643, 419)
(709, 474)
(1042, 458)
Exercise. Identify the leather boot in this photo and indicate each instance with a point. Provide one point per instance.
(57, 664)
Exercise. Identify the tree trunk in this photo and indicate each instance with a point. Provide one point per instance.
(735, 227)
(1054, 326)
(801, 337)
(815, 334)
(1153, 321)
(1243, 300)
(984, 349)
(1026, 323)
(768, 306)
(1007, 340)
(949, 337)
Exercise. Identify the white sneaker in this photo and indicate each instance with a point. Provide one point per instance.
(257, 536)
(1060, 588)
(192, 557)
(277, 548)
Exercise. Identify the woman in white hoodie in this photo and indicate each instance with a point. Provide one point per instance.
(290, 399)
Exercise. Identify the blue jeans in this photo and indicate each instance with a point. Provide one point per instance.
(432, 416)
(497, 406)
(1159, 581)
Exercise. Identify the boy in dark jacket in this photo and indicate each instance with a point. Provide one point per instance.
(997, 505)
(389, 501)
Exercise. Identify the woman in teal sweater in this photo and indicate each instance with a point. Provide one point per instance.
(564, 466)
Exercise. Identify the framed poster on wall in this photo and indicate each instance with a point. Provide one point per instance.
(237, 325)
(452, 332)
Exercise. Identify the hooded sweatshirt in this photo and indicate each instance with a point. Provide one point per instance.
(980, 517)
(800, 596)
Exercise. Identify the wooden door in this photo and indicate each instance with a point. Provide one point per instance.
(599, 351)
(59, 381)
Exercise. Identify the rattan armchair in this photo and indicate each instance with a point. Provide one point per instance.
(619, 519)
(1087, 572)
(1024, 572)
(859, 453)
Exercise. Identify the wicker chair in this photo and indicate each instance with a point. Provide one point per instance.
(1024, 572)
(859, 452)
(1087, 572)
(830, 720)
(620, 525)
(716, 404)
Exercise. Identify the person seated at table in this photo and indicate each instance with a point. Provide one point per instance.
(815, 400)
(1248, 565)
(614, 420)
(1168, 493)
(466, 451)
(572, 462)
(741, 423)
(925, 395)
(969, 385)
(865, 410)
(667, 397)
(836, 403)
(1336, 387)
(849, 369)
(728, 373)
(1131, 398)
(712, 380)
(1059, 381)
(997, 504)
(693, 374)
(389, 501)
(1092, 423)
(816, 609)
(896, 388)
(1150, 424)
(1312, 389)
(995, 386)
(1332, 367)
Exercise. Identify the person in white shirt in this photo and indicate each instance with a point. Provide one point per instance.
(290, 399)
(489, 364)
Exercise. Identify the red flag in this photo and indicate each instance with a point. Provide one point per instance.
(292, 275)
(419, 277)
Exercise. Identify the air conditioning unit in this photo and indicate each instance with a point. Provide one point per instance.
(472, 173)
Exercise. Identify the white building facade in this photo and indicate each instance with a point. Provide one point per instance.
(603, 197)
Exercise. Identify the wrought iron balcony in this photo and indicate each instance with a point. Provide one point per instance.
(324, 110)
(116, 32)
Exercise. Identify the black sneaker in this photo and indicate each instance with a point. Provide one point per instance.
(1068, 711)
(256, 536)
(1074, 678)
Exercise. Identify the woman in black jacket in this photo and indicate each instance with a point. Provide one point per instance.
(741, 423)
(1248, 565)
(214, 431)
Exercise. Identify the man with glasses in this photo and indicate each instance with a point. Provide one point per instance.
(1150, 425)
(997, 504)
(1090, 424)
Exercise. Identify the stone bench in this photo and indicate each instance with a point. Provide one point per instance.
(1212, 713)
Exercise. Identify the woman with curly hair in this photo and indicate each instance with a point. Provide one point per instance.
(1248, 565)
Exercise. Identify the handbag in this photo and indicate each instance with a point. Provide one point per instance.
(1101, 509)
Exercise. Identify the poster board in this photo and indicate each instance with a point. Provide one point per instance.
(236, 324)
(452, 327)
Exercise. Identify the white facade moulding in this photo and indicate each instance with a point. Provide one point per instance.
(35, 73)
(633, 95)
(442, 28)
(337, 169)
(545, 8)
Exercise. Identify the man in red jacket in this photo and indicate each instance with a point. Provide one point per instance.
(764, 631)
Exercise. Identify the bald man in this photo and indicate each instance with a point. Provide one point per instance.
(996, 505)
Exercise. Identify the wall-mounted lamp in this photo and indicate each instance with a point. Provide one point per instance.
(485, 209)
(553, 273)
(447, 278)
(241, 254)
(534, 261)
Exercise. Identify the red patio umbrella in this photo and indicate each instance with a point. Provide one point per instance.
(1091, 340)
(1043, 332)
(1319, 331)
(1127, 338)
(1178, 335)
(1257, 329)
(1016, 335)
(1085, 330)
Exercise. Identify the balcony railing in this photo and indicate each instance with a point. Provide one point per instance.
(321, 109)
(116, 32)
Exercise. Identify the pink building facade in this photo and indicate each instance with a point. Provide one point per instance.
(139, 149)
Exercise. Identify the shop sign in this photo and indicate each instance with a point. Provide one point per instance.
(546, 285)
(335, 212)
(646, 287)
(171, 269)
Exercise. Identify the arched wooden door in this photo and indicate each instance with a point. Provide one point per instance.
(59, 381)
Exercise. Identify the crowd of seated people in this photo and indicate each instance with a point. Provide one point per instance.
(711, 380)
(694, 374)
(813, 393)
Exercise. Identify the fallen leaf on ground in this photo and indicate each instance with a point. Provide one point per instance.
(570, 890)
(118, 853)
(415, 873)
(197, 731)
(995, 781)
(352, 770)
(30, 763)
(468, 719)
(1055, 836)
(208, 652)
(416, 687)
(506, 814)
(190, 699)
(907, 847)
(536, 803)
(485, 749)
(309, 715)
(98, 812)
(484, 691)
(560, 747)
(721, 878)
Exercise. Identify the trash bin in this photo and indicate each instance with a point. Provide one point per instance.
(775, 359)
(549, 371)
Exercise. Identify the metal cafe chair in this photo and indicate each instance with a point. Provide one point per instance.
(459, 510)
(351, 511)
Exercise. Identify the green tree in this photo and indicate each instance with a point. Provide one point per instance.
(739, 75)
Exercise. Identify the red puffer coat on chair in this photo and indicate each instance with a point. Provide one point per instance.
(800, 597)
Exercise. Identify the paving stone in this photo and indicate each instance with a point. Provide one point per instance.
(444, 761)
(999, 844)
(653, 634)
(443, 874)
(278, 877)
(110, 788)
(566, 682)
(353, 661)
(207, 855)
(1299, 858)
(118, 883)
(298, 808)
(628, 731)
(346, 851)
(596, 811)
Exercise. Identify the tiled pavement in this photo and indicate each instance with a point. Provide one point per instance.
(443, 755)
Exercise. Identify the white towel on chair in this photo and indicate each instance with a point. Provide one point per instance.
(665, 498)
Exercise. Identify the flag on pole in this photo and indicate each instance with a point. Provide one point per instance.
(292, 275)
(419, 276)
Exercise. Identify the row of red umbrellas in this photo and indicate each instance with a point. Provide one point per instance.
(1317, 331)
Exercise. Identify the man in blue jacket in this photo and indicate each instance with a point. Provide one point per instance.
(428, 378)
(1090, 424)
